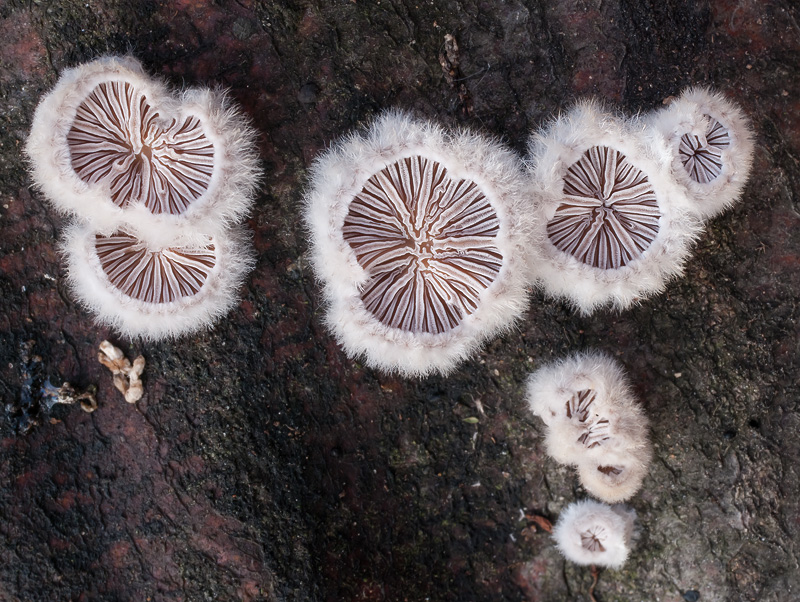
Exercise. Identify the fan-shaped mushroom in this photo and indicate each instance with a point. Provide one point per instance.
(156, 292)
(711, 144)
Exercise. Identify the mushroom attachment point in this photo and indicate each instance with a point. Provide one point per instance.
(417, 236)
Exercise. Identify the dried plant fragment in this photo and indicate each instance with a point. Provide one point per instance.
(37, 395)
(120, 140)
(609, 214)
(67, 394)
(541, 522)
(126, 375)
(427, 242)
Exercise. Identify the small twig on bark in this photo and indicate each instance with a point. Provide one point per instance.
(450, 61)
(595, 576)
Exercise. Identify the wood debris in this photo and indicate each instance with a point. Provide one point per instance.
(126, 375)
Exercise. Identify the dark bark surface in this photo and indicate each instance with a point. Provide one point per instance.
(263, 464)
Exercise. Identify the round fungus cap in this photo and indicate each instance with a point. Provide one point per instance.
(590, 532)
(613, 225)
(156, 292)
(116, 148)
(711, 144)
(418, 238)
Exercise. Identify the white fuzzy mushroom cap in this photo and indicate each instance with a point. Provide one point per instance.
(116, 148)
(593, 420)
(156, 292)
(711, 145)
(616, 251)
(617, 476)
(590, 532)
(388, 208)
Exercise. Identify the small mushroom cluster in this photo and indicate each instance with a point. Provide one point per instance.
(157, 184)
(594, 423)
(622, 199)
(426, 241)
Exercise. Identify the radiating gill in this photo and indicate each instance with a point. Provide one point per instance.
(427, 242)
(119, 139)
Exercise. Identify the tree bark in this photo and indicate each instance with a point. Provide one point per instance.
(263, 464)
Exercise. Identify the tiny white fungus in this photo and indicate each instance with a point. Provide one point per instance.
(711, 145)
(592, 533)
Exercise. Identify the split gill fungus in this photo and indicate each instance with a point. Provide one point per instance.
(592, 533)
(710, 141)
(153, 293)
(118, 149)
(427, 242)
(609, 214)
(595, 428)
(614, 226)
(593, 422)
(418, 237)
(701, 155)
(153, 276)
(157, 183)
(118, 140)
(593, 537)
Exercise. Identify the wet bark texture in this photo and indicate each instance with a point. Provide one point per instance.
(263, 464)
